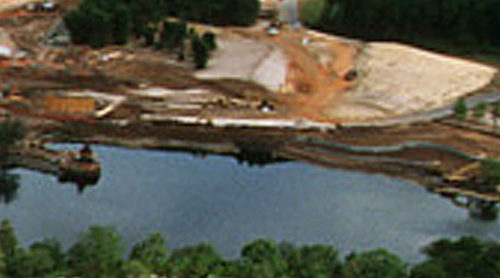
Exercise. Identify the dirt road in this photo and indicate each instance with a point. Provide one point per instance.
(317, 85)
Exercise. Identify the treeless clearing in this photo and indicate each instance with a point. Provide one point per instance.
(6, 5)
(315, 83)
(314, 71)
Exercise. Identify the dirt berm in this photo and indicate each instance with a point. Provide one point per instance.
(396, 80)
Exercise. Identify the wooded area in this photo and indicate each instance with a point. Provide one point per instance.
(103, 22)
(466, 25)
(99, 252)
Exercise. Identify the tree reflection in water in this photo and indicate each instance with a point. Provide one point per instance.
(9, 184)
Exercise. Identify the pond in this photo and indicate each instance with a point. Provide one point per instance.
(214, 199)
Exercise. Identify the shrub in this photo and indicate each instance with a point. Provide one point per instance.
(209, 39)
(460, 110)
(173, 34)
(200, 52)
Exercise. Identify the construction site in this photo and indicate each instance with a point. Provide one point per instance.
(294, 94)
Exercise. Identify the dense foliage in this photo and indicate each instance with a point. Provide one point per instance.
(217, 12)
(11, 131)
(460, 110)
(490, 171)
(442, 24)
(103, 22)
(100, 253)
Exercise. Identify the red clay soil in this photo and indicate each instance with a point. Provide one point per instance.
(314, 86)
(17, 14)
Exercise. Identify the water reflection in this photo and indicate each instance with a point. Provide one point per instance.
(215, 200)
(9, 185)
(79, 181)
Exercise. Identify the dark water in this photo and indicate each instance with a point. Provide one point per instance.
(190, 200)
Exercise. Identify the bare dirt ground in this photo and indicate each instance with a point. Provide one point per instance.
(305, 70)
(316, 72)
(309, 70)
(6, 5)
(397, 80)
(5, 39)
(304, 75)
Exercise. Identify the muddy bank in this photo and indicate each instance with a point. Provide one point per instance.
(261, 146)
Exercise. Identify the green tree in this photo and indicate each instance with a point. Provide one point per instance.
(318, 261)
(121, 24)
(8, 247)
(428, 269)
(441, 24)
(97, 254)
(242, 12)
(375, 264)
(33, 263)
(234, 268)
(460, 110)
(54, 249)
(312, 12)
(173, 34)
(217, 12)
(459, 258)
(91, 23)
(265, 258)
(193, 262)
(76, 23)
(200, 52)
(151, 252)
(135, 269)
(9, 184)
(8, 238)
(490, 171)
(210, 41)
(480, 111)
(101, 27)
(11, 131)
(3, 265)
(149, 35)
(496, 113)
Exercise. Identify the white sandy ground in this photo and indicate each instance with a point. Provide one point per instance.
(397, 79)
(248, 60)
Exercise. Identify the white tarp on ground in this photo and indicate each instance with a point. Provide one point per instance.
(6, 52)
(298, 124)
(163, 92)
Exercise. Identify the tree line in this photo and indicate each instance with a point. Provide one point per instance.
(442, 24)
(99, 252)
(103, 22)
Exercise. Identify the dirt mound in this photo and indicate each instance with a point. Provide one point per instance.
(397, 79)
